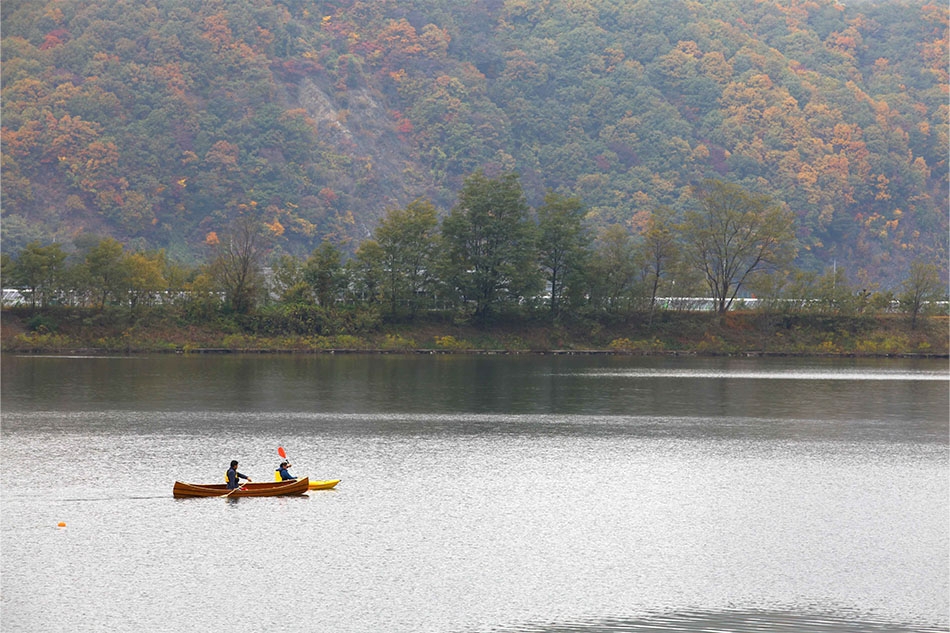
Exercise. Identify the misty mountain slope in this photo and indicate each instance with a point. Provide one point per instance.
(157, 122)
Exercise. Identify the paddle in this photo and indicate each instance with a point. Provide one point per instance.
(232, 491)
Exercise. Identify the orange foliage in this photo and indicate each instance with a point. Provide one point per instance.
(275, 227)
(881, 187)
(54, 39)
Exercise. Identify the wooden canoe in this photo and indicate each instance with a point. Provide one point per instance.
(323, 485)
(251, 489)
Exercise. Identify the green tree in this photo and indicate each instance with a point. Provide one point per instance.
(7, 265)
(177, 278)
(832, 293)
(289, 281)
(325, 274)
(489, 244)
(105, 272)
(201, 297)
(38, 269)
(659, 250)
(733, 235)
(368, 272)
(611, 272)
(563, 244)
(920, 289)
(407, 238)
(145, 278)
(794, 292)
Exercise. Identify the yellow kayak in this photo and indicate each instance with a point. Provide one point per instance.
(323, 485)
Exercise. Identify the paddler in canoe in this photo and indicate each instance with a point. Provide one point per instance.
(234, 477)
(282, 473)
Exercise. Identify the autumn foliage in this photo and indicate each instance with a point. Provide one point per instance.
(158, 123)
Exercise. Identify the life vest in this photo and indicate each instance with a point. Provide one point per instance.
(277, 476)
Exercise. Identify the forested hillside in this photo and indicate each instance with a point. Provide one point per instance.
(157, 121)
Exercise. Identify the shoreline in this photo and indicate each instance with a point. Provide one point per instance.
(92, 352)
(748, 334)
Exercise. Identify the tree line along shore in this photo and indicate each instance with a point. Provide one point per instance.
(492, 274)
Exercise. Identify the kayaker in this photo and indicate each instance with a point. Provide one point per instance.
(234, 476)
(283, 473)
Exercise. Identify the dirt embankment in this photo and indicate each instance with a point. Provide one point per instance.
(671, 333)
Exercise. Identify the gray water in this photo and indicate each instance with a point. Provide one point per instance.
(503, 494)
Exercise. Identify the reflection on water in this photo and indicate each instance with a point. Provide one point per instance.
(732, 621)
(788, 374)
(859, 430)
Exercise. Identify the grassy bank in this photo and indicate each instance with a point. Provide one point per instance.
(668, 333)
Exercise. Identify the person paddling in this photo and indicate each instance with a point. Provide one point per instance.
(234, 476)
(283, 474)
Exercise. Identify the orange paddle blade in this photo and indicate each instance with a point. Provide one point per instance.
(282, 452)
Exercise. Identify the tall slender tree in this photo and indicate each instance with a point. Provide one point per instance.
(367, 271)
(658, 250)
(733, 234)
(145, 278)
(105, 271)
(563, 245)
(407, 238)
(237, 267)
(38, 269)
(489, 244)
(325, 273)
(921, 287)
(611, 272)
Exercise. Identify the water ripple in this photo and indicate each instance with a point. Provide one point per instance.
(728, 621)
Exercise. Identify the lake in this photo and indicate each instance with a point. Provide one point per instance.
(479, 493)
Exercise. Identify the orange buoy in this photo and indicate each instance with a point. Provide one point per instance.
(61, 524)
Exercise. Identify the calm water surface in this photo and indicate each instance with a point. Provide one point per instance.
(503, 494)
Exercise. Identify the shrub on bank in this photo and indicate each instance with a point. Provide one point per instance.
(451, 343)
(882, 344)
(42, 323)
(340, 341)
(639, 346)
(309, 319)
(41, 342)
(398, 342)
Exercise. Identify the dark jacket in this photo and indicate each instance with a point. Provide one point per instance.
(233, 477)
(284, 474)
